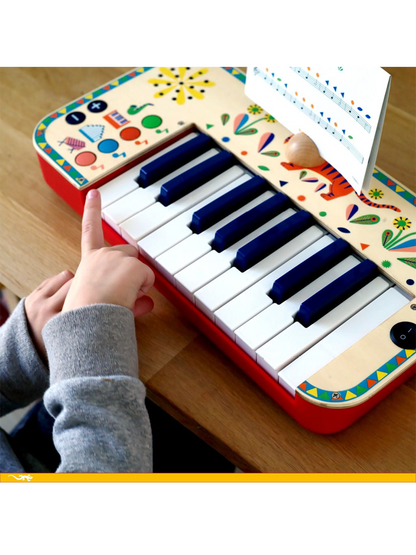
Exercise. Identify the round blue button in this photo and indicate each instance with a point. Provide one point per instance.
(107, 146)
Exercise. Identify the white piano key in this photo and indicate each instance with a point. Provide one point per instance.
(254, 333)
(255, 299)
(141, 198)
(187, 281)
(146, 221)
(181, 255)
(185, 253)
(277, 353)
(119, 187)
(125, 183)
(341, 339)
(227, 286)
(211, 265)
(175, 231)
(130, 204)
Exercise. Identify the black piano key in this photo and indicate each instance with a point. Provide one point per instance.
(171, 161)
(336, 292)
(249, 221)
(299, 277)
(190, 180)
(221, 207)
(272, 239)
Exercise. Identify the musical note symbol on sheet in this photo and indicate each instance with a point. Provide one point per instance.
(341, 103)
(329, 116)
(162, 130)
(115, 155)
(98, 167)
(140, 142)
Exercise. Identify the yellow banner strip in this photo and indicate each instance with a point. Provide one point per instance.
(210, 478)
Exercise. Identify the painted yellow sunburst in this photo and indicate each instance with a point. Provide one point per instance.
(376, 193)
(182, 85)
(402, 223)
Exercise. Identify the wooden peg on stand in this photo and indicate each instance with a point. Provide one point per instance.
(302, 151)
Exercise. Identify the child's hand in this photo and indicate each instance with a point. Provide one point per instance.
(45, 302)
(110, 275)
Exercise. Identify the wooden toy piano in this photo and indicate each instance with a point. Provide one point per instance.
(306, 285)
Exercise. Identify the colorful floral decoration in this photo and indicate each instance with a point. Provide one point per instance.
(265, 140)
(399, 242)
(254, 109)
(376, 193)
(402, 223)
(241, 125)
(176, 80)
(386, 263)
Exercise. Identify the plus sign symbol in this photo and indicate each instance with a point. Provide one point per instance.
(97, 106)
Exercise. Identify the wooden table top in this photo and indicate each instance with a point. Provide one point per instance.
(183, 372)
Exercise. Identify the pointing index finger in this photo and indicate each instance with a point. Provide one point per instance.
(92, 230)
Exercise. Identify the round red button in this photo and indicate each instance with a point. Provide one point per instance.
(130, 133)
(85, 158)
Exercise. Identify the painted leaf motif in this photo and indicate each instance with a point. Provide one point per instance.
(387, 235)
(368, 219)
(320, 187)
(351, 210)
(225, 118)
(344, 230)
(239, 121)
(409, 246)
(265, 140)
(249, 131)
(302, 174)
(271, 153)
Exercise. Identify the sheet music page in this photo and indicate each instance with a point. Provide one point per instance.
(341, 109)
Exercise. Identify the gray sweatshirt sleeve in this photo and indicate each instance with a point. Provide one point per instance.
(23, 376)
(95, 396)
